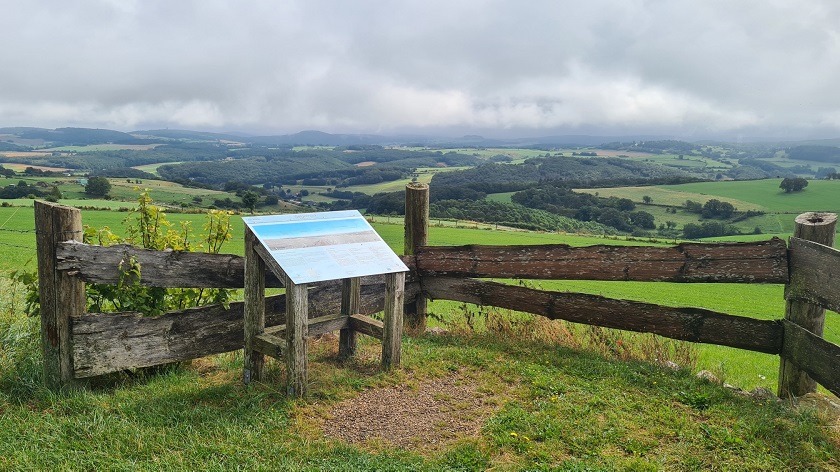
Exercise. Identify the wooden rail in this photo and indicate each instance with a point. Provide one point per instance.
(815, 274)
(687, 324)
(756, 262)
(104, 343)
(813, 354)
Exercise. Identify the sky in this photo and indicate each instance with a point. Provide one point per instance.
(688, 69)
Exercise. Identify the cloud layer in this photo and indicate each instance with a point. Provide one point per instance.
(536, 67)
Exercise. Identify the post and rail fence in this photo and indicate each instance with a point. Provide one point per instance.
(79, 345)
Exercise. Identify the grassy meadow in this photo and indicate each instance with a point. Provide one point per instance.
(152, 168)
(763, 195)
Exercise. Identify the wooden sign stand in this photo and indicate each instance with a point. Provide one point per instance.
(289, 340)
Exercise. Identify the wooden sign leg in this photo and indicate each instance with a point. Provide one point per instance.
(297, 327)
(254, 308)
(350, 301)
(392, 335)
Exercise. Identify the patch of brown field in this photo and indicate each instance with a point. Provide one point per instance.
(25, 154)
(21, 167)
(425, 416)
(366, 164)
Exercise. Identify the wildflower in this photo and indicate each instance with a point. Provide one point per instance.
(513, 435)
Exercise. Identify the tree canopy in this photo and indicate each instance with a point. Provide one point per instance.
(793, 184)
(98, 186)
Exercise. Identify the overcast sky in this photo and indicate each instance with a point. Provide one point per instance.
(689, 69)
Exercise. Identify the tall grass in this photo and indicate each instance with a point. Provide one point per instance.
(20, 345)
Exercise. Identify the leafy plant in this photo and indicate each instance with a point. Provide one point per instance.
(148, 227)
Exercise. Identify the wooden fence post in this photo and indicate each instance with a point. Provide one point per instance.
(254, 308)
(819, 228)
(416, 235)
(61, 295)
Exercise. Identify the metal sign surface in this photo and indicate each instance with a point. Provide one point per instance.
(313, 247)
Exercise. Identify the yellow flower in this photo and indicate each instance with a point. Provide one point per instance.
(513, 435)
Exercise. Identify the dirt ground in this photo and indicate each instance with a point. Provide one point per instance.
(427, 415)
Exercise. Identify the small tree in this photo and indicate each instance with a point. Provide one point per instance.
(793, 184)
(642, 219)
(693, 207)
(54, 195)
(715, 208)
(98, 186)
(647, 199)
(250, 200)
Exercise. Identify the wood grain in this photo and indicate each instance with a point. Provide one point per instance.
(754, 262)
(104, 343)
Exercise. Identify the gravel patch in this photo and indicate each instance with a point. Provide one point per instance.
(428, 415)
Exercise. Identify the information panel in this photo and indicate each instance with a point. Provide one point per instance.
(313, 247)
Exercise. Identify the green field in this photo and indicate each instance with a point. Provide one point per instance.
(124, 192)
(674, 196)
(152, 168)
(761, 195)
(500, 197)
(764, 195)
(820, 195)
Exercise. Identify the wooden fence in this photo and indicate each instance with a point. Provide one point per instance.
(79, 344)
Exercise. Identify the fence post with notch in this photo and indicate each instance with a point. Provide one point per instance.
(61, 295)
(819, 228)
(416, 235)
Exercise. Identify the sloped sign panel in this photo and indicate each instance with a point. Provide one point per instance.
(313, 247)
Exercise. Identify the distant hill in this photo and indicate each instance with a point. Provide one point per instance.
(72, 136)
(179, 134)
(319, 138)
(88, 136)
(494, 178)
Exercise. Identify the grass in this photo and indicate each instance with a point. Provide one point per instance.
(500, 197)
(764, 195)
(820, 195)
(550, 408)
(673, 196)
(152, 168)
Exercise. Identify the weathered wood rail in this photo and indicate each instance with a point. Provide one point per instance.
(79, 345)
(759, 262)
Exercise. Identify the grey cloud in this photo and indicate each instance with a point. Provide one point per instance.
(653, 66)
